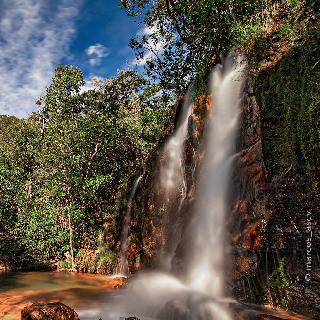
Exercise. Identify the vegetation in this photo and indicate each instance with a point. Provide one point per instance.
(278, 278)
(289, 99)
(185, 38)
(278, 283)
(66, 171)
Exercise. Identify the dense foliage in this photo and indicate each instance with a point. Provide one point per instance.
(184, 38)
(67, 170)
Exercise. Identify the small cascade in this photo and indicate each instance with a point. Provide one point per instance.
(172, 175)
(172, 172)
(124, 241)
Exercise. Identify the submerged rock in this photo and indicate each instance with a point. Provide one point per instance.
(175, 310)
(117, 281)
(48, 311)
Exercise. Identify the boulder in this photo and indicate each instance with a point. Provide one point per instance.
(175, 310)
(48, 311)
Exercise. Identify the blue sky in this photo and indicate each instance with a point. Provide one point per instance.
(104, 23)
(36, 35)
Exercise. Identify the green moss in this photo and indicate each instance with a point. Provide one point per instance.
(286, 30)
(245, 31)
(289, 99)
(278, 278)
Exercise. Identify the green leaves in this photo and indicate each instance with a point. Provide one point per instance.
(64, 171)
(181, 36)
(278, 279)
(62, 95)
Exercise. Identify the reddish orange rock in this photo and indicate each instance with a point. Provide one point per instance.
(116, 282)
(244, 264)
(48, 311)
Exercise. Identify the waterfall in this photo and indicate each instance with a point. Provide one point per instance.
(172, 176)
(124, 241)
(172, 172)
(200, 293)
(207, 259)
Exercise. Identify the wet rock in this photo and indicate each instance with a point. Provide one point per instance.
(249, 214)
(245, 262)
(117, 282)
(176, 310)
(48, 311)
(243, 311)
(305, 299)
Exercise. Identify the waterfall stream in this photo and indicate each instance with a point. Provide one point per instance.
(124, 241)
(200, 293)
(207, 259)
(172, 173)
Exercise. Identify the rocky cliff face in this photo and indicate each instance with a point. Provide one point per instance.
(274, 198)
(288, 97)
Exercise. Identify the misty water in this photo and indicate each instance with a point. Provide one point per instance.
(93, 296)
(200, 291)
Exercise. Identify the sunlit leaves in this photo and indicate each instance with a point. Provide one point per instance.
(193, 33)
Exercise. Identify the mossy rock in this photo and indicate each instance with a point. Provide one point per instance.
(289, 96)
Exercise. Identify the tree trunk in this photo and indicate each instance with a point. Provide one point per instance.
(71, 244)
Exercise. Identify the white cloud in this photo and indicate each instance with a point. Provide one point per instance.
(32, 41)
(93, 83)
(96, 52)
(152, 47)
(147, 31)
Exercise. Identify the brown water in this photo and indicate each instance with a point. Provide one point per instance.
(85, 293)
(92, 296)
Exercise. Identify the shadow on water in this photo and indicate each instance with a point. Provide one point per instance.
(10, 281)
(43, 281)
(79, 291)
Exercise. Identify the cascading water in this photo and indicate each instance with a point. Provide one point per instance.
(207, 261)
(200, 293)
(172, 173)
(124, 241)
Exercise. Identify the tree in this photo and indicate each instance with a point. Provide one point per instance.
(183, 39)
(69, 166)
